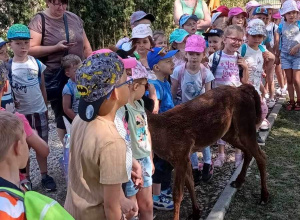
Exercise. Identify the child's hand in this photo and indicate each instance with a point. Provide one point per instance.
(17, 104)
(294, 50)
(242, 62)
(153, 167)
(266, 55)
(211, 50)
(128, 206)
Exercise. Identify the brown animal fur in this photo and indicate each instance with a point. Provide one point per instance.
(225, 112)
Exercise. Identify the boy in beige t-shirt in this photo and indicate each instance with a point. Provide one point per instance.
(97, 165)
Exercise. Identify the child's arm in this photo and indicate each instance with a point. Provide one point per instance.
(38, 144)
(128, 206)
(207, 86)
(151, 153)
(174, 87)
(153, 96)
(295, 50)
(112, 206)
(67, 106)
(242, 62)
(43, 88)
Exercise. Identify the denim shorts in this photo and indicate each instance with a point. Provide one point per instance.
(146, 173)
(290, 62)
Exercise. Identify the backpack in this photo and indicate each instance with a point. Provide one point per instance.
(38, 206)
(280, 26)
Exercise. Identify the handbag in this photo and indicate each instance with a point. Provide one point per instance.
(56, 79)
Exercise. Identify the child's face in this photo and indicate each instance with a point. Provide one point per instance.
(291, 16)
(270, 13)
(23, 151)
(194, 58)
(3, 53)
(233, 41)
(220, 23)
(143, 45)
(166, 66)
(140, 88)
(190, 26)
(254, 40)
(238, 20)
(161, 41)
(20, 47)
(262, 17)
(71, 72)
(277, 21)
(215, 42)
(123, 91)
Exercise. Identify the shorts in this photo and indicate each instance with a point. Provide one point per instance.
(290, 62)
(146, 172)
(39, 122)
(56, 106)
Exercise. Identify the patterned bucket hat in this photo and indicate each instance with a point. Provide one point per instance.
(256, 27)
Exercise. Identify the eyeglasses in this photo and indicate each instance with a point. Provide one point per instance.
(128, 82)
(59, 4)
(235, 40)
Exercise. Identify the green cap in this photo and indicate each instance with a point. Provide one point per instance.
(178, 35)
(18, 32)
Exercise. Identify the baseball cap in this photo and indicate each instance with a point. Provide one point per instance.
(195, 43)
(184, 18)
(157, 54)
(252, 4)
(18, 31)
(96, 78)
(260, 10)
(256, 27)
(3, 74)
(178, 35)
(138, 72)
(236, 11)
(2, 42)
(139, 15)
(288, 6)
(223, 9)
(213, 32)
(142, 31)
(215, 16)
(276, 15)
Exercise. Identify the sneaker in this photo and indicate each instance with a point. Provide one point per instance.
(163, 204)
(290, 105)
(238, 160)
(167, 193)
(219, 161)
(265, 125)
(207, 172)
(267, 96)
(271, 103)
(197, 176)
(260, 141)
(284, 92)
(279, 91)
(49, 184)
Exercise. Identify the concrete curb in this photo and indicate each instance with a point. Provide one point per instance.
(220, 208)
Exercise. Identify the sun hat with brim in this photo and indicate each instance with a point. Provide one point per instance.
(139, 15)
(288, 6)
(236, 11)
(3, 74)
(276, 16)
(184, 18)
(256, 27)
(157, 54)
(195, 43)
(178, 36)
(2, 42)
(213, 32)
(141, 31)
(138, 72)
(252, 4)
(96, 78)
(18, 32)
(223, 9)
(260, 10)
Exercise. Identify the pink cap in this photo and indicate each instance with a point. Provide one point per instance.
(236, 11)
(252, 4)
(128, 62)
(195, 43)
(138, 72)
(276, 16)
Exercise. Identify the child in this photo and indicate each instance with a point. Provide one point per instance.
(250, 6)
(70, 94)
(225, 68)
(194, 79)
(159, 39)
(260, 13)
(219, 21)
(236, 16)
(136, 117)
(289, 51)
(162, 65)
(98, 152)
(28, 87)
(140, 17)
(215, 40)
(188, 23)
(177, 41)
(3, 50)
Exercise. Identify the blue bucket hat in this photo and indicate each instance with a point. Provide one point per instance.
(159, 54)
(2, 42)
(178, 35)
(184, 18)
(18, 32)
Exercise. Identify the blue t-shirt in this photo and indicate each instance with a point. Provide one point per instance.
(71, 89)
(163, 93)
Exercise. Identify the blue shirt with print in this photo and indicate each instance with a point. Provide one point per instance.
(163, 93)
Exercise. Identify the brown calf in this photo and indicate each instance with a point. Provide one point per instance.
(226, 112)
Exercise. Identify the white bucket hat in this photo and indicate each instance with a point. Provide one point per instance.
(288, 6)
(142, 31)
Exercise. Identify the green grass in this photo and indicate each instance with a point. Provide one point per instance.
(283, 168)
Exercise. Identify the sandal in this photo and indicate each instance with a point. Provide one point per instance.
(290, 105)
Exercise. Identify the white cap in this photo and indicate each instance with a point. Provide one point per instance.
(142, 31)
(215, 16)
(252, 4)
(288, 6)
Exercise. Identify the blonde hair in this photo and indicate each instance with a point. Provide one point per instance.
(232, 28)
(70, 60)
(12, 129)
(229, 22)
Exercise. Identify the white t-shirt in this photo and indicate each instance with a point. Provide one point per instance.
(192, 84)
(227, 72)
(255, 63)
(271, 29)
(26, 86)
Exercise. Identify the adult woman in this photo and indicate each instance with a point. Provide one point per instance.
(50, 31)
(197, 7)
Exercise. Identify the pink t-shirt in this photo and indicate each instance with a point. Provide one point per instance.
(27, 128)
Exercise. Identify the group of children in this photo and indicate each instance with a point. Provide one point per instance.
(113, 172)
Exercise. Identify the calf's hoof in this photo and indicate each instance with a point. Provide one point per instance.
(236, 184)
